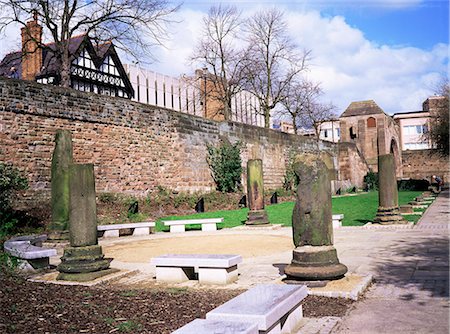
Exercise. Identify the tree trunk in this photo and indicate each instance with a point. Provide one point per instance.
(266, 117)
(65, 67)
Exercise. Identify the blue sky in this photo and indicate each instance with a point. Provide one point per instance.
(391, 51)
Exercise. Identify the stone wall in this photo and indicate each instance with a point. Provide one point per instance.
(352, 165)
(135, 147)
(422, 164)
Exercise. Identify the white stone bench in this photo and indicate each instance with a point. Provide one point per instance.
(204, 326)
(337, 220)
(217, 269)
(208, 224)
(29, 249)
(275, 308)
(112, 231)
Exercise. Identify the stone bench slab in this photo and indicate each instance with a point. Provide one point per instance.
(218, 269)
(112, 231)
(208, 224)
(204, 326)
(275, 308)
(122, 226)
(27, 248)
(197, 260)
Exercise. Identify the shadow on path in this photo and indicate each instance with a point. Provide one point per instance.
(423, 263)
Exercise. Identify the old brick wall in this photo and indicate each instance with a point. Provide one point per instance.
(352, 164)
(135, 147)
(422, 164)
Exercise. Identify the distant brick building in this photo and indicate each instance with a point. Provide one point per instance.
(373, 131)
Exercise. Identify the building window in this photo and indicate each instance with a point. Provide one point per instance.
(417, 146)
(415, 129)
(371, 122)
(352, 134)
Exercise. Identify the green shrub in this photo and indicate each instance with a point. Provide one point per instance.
(226, 165)
(11, 181)
(416, 185)
(371, 180)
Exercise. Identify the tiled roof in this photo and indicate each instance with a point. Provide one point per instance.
(362, 108)
(49, 64)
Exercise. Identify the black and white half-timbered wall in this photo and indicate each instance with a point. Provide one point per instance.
(94, 68)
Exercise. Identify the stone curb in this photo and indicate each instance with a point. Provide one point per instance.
(353, 295)
(50, 278)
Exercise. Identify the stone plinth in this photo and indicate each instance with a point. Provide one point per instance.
(84, 259)
(314, 257)
(255, 193)
(406, 209)
(61, 160)
(388, 209)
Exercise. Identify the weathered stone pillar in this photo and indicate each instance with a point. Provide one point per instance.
(388, 210)
(255, 193)
(61, 160)
(83, 260)
(314, 257)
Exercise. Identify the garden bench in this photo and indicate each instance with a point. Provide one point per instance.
(112, 231)
(275, 308)
(204, 326)
(29, 249)
(337, 220)
(218, 269)
(208, 224)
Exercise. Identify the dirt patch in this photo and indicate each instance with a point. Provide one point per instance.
(245, 245)
(46, 308)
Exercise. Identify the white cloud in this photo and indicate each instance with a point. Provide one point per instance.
(353, 68)
(349, 66)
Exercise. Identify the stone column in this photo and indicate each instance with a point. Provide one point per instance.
(314, 257)
(61, 159)
(388, 210)
(83, 260)
(255, 193)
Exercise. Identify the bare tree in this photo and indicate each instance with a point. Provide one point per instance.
(439, 119)
(272, 59)
(218, 54)
(299, 97)
(134, 25)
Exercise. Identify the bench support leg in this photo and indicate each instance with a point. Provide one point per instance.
(141, 231)
(111, 234)
(218, 276)
(337, 223)
(177, 228)
(290, 323)
(174, 274)
(209, 227)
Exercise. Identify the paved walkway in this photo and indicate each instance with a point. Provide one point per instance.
(411, 291)
(410, 267)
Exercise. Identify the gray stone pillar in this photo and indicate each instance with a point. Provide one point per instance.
(314, 257)
(255, 193)
(388, 210)
(83, 260)
(61, 160)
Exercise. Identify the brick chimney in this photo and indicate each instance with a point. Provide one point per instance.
(31, 53)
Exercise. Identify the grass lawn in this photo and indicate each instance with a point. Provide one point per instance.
(357, 210)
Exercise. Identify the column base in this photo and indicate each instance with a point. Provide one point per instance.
(389, 216)
(82, 260)
(311, 263)
(257, 217)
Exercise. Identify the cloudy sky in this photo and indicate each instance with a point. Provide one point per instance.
(391, 51)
